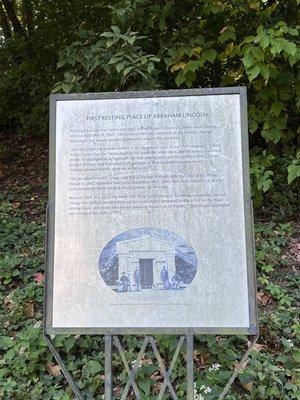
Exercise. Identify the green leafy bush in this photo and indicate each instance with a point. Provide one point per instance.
(215, 44)
(109, 62)
(140, 44)
(29, 54)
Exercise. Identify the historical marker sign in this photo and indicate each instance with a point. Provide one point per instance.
(150, 226)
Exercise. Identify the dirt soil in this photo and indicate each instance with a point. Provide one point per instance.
(24, 172)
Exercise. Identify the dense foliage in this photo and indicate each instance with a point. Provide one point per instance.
(27, 369)
(70, 46)
(78, 46)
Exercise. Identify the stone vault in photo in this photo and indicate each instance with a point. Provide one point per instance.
(147, 259)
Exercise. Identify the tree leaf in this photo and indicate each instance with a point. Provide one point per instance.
(178, 66)
(253, 72)
(66, 87)
(209, 55)
(248, 60)
(258, 53)
(115, 59)
(293, 172)
(179, 78)
(108, 34)
(264, 70)
(290, 48)
(276, 108)
(120, 66)
(264, 41)
(116, 29)
(150, 67)
(193, 65)
(127, 70)
(277, 46)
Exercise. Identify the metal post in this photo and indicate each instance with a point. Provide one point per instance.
(63, 367)
(190, 367)
(108, 368)
(132, 372)
(239, 367)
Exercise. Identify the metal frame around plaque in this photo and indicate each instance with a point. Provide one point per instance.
(111, 334)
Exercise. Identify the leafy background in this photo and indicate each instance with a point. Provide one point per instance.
(74, 46)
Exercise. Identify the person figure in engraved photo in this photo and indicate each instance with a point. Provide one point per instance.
(164, 276)
(125, 282)
(137, 279)
(175, 281)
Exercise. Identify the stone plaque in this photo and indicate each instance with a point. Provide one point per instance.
(149, 218)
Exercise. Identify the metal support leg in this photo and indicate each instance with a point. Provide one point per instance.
(190, 366)
(108, 368)
(172, 365)
(238, 368)
(132, 373)
(63, 367)
(135, 369)
(126, 365)
(163, 368)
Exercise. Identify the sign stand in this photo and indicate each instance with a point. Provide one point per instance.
(111, 340)
(175, 121)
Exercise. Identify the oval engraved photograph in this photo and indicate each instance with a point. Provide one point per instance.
(147, 259)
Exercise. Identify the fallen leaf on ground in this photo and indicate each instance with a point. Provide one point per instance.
(29, 310)
(243, 367)
(263, 298)
(257, 346)
(248, 386)
(157, 386)
(146, 361)
(201, 359)
(156, 376)
(39, 277)
(53, 369)
(8, 302)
